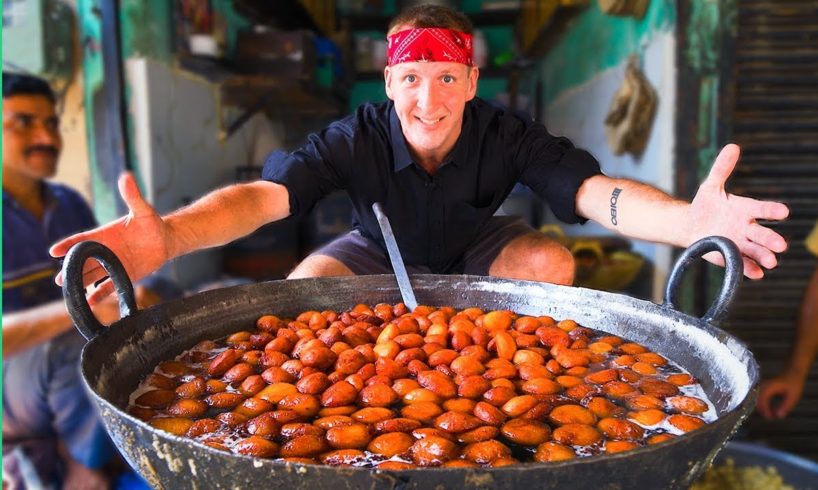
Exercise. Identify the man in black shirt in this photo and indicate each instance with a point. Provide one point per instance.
(441, 162)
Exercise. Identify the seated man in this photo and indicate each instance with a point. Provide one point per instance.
(52, 436)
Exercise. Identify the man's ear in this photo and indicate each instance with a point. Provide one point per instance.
(474, 74)
(387, 76)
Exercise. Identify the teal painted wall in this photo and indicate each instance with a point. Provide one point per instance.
(580, 74)
(224, 12)
(368, 91)
(147, 32)
(104, 201)
(595, 42)
(146, 29)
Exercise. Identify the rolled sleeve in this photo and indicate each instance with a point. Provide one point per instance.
(570, 172)
(282, 169)
(555, 170)
(313, 171)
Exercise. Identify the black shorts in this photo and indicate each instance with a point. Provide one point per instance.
(364, 256)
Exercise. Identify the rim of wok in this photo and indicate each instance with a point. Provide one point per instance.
(613, 303)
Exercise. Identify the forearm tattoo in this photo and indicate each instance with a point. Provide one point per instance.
(614, 199)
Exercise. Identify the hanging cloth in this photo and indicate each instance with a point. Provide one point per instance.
(635, 8)
(630, 117)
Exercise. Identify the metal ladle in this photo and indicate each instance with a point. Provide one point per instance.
(404, 285)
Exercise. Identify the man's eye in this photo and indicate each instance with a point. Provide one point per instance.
(411, 78)
(448, 79)
(52, 124)
(23, 122)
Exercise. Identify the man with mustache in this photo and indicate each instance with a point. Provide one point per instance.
(441, 161)
(52, 435)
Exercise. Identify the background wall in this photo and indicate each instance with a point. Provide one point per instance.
(73, 168)
(176, 119)
(579, 77)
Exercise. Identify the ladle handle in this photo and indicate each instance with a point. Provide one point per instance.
(392, 249)
(733, 271)
(74, 292)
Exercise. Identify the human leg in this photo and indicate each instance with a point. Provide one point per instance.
(509, 248)
(348, 255)
(317, 265)
(74, 417)
(30, 456)
(80, 477)
(534, 257)
(46, 406)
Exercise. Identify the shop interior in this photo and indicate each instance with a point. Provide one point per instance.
(192, 95)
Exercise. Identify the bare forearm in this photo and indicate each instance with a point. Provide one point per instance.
(805, 347)
(25, 329)
(634, 209)
(225, 215)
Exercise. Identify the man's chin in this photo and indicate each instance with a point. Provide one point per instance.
(44, 170)
(425, 147)
(425, 142)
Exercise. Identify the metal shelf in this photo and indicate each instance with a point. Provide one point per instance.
(253, 92)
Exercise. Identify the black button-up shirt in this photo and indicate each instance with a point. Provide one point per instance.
(435, 217)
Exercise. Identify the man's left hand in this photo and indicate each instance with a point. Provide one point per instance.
(716, 212)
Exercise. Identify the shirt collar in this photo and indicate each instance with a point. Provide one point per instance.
(49, 195)
(461, 148)
(400, 152)
(7, 199)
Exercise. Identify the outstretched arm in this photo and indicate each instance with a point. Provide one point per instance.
(789, 385)
(644, 212)
(25, 329)
(143, 241)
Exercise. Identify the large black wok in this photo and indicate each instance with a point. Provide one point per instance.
(118, 357)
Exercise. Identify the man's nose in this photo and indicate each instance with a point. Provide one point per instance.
(43, 134)
(428, 96)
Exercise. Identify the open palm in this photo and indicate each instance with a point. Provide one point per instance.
(139, 239)
(716, 212)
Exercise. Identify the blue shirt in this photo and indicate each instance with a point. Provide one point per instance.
(434, 217)
(28, 270)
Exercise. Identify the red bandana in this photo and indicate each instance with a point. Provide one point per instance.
(430, 44)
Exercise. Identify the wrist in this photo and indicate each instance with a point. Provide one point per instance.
(797, 371)
(174, 244)
(686, 234)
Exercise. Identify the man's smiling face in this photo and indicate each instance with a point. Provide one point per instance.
(31, 137)
(430, 98)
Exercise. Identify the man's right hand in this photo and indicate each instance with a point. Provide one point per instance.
(140, 239)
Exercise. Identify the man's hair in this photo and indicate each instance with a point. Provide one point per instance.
(431, 15)
(20, 84)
